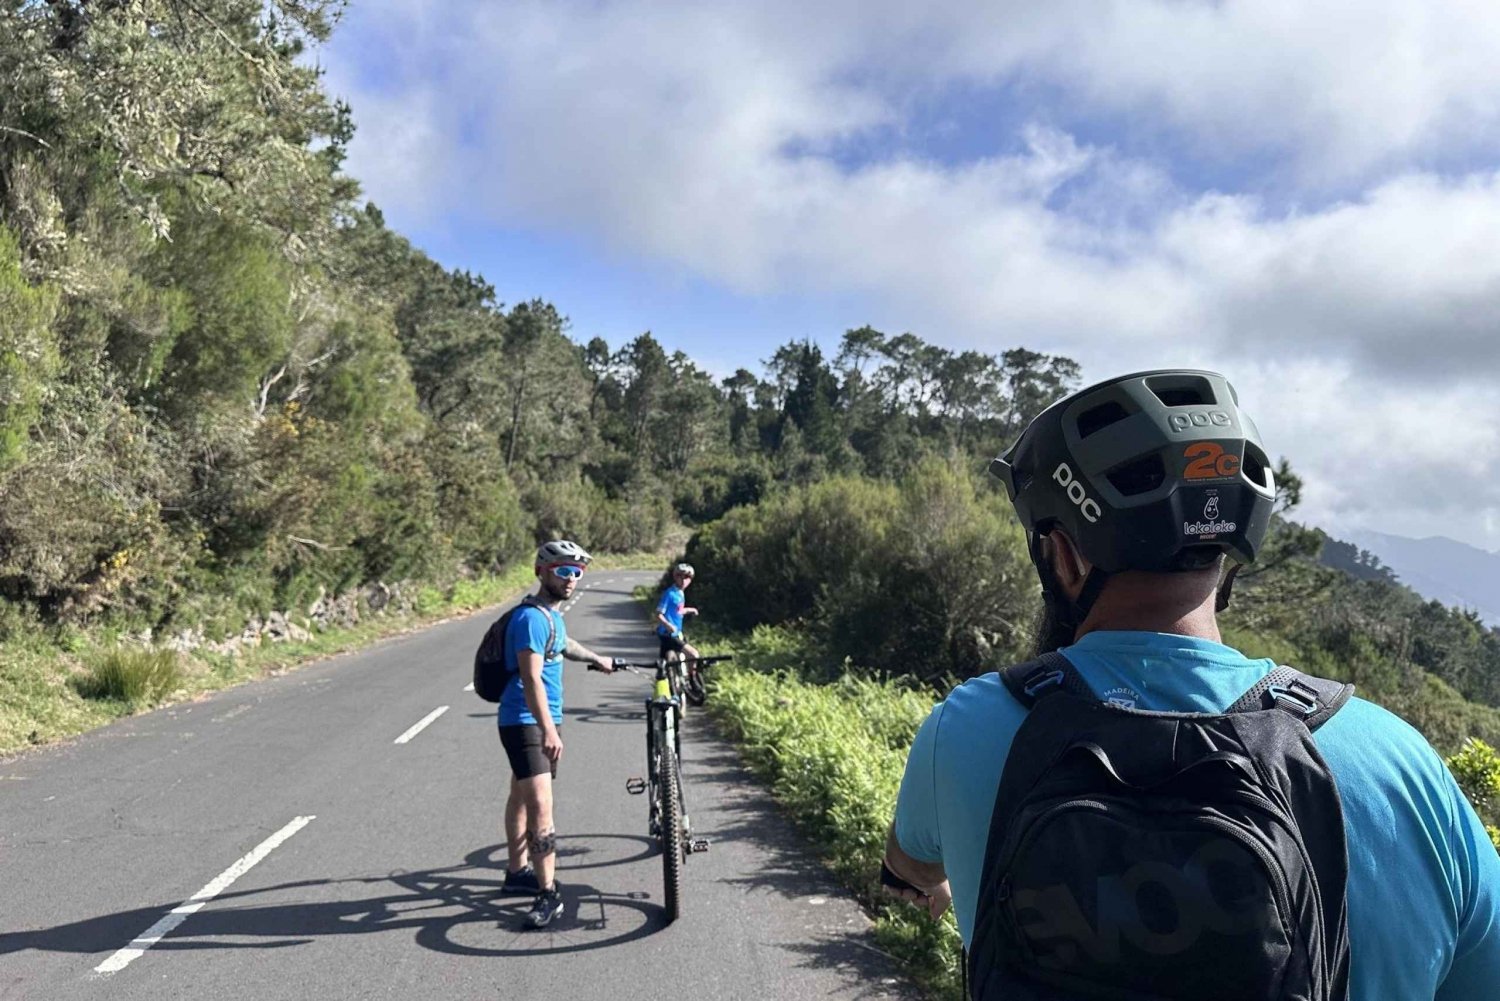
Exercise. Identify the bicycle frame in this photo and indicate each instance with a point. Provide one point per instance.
(661, 729)
(668, 818)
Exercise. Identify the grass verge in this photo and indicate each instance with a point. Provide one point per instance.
(833, 755)
(53, 687)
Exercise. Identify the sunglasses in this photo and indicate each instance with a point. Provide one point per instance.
(567, 572)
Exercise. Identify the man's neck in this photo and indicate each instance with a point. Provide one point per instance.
(545, 599)
(1199, 622)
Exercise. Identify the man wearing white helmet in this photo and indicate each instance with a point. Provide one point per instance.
(530, 713)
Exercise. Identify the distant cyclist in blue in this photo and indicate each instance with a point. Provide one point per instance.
(670, 611)
(1135, 492)
(536, 642)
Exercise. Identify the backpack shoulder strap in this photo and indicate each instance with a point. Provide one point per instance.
(1051, 672)
(1309, 699)
(551, 650)
(528, 601)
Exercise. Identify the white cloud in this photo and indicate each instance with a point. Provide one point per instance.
(706, 137)
(404, 163)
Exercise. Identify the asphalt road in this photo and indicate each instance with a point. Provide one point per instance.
(280, 840)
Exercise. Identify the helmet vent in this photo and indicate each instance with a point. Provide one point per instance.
(1138, 477)
(1255, 467)
(1096, 419)
(1183, 391)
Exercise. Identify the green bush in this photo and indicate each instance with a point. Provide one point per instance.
(139, 677)
(722, 485)
(929, 577)
(1477, 769)
(834, 755)
(429, 599)
(579, 509)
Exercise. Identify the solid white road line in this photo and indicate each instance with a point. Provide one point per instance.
(179, 914)
(421, 724)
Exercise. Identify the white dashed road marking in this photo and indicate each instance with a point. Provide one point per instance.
(179, 914)
(421, 724)
(469, 687)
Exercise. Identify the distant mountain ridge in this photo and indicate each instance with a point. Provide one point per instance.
(1440, 569)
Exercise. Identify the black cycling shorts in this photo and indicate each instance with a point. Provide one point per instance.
(670, 644)
(523, 746)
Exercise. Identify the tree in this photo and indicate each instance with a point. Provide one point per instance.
(647, 379)
(1032, 381)
(28, 351)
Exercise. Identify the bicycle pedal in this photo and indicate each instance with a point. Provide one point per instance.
(698, 845)
(635, 786)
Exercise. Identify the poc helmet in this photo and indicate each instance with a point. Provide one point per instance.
(685, 569)
(562, 551)
(1151, 471)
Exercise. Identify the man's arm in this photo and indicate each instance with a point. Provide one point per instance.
(577, 651)
(922, 883)
(529, 665)
(927, 881)
(1476, 960)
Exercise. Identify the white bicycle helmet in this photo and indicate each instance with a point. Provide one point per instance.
(562, 551)
(686, 569)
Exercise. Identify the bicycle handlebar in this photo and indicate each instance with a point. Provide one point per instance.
(642, 665)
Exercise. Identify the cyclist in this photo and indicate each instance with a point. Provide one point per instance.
(529, 716)
(1129, 529)
(670, 611)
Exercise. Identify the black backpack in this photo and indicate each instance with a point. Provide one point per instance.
(491, 673)
(1144, 855)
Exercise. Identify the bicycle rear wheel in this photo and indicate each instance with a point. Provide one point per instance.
(672, 844)
(697, 691)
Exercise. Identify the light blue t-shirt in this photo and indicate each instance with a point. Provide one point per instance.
(528, 631)
(671, 605)
(1424, 880)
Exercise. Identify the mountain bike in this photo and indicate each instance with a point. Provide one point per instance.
(668, 819)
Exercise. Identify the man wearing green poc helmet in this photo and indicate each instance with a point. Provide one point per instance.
(530, 713)
(1178, 820)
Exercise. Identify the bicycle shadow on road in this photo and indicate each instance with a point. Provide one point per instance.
(455, 909)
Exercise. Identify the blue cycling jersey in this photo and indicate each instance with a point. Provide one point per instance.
(528, 631)
(1424, 880)
(671, 605)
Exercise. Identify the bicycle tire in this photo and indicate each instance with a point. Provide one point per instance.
(697, 690)
(672, 845)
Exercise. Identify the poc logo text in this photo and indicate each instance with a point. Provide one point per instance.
(1198, 419)
(1086, 505)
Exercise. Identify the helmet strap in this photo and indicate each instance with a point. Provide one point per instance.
(1068, 612)
(1092, 585)
(1225, 586)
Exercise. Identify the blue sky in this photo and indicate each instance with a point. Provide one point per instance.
(1305, 196)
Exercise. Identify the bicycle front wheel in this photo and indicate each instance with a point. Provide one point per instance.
(672, 844)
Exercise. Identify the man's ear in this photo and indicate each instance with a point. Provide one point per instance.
(1068, 564)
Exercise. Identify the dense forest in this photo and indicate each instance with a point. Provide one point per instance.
(228, 387)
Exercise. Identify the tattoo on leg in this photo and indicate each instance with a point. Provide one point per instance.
(542, 844)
